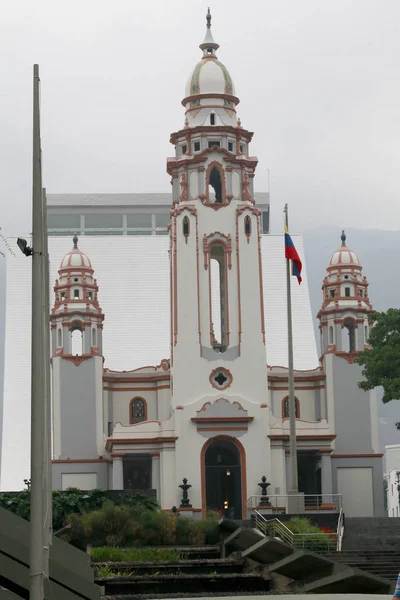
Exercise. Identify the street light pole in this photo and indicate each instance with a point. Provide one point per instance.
(38, 378)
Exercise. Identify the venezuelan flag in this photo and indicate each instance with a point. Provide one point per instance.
(291, 254)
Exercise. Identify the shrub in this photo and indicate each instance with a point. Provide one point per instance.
(107, 554)
(311, 537)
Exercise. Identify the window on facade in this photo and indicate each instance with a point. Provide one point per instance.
(286, 408)
(347, 292)
(162, 220)
(366, 334)
(94, 337)
(212, 119)
(265, 221)
(138, 410)
(138, 220)
(76, 293)
(361, 292)
(330, 334)
(214, 182)
(212, 143)
(230, 146)
(77, 340)
(332, 293)
(184, 148)
(185, 226)
(218, 296)
(59, 337)
(90, 295)
(196, 146)
(64, 222)
(241, 148)
(247, 225)
(103, 221)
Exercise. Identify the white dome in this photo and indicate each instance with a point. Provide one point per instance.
(344, 257)
(209, 76)
(76, 259)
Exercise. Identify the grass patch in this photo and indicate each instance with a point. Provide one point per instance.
(106, 554)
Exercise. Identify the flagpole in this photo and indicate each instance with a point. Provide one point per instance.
(38, 345)
(294, 486)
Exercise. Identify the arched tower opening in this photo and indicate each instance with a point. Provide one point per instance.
(215, 186)
(76, 339)
(349, 336)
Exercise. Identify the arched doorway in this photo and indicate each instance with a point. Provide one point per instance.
(222, 468)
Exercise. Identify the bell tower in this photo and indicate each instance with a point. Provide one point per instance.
(345, 304)
(77, 375)
(217, 308)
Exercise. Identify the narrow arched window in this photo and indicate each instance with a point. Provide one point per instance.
(215, 183)
(219, 312)
(285, 410)
(59, 337)
(76, 340)
(330, 334)
(186, 227)
(94, 337)
(365, 334)
(138, 410)
(247, 226)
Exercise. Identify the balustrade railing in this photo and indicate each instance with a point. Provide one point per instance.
(332, 503)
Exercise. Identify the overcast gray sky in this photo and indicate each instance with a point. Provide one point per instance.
(318, 82)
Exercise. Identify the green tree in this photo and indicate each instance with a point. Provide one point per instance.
(382, 361)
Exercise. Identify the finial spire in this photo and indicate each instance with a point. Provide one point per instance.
(209, 46)
(208, 18)
(343, 238)
(75, 240)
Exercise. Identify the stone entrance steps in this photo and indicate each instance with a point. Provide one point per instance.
(371, 533)
(184, 577)
(189, 567)
(384, 563)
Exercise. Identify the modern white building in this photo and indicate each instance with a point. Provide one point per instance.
(169, 337)
(392, 476)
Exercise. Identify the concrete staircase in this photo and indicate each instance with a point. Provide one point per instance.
(299, 571)
(384, 563)
(373, 533)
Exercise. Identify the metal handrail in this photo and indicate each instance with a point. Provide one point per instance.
(340, 531)
(276, 528)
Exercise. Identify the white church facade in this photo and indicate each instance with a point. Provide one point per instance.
(214, 409)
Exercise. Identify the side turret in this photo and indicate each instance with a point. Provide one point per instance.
(344, 322)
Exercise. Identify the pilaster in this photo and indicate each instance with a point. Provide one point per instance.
(117, 472)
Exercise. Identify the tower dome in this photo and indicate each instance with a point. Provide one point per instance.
(75, 259)
(344, 257)
(210, 85)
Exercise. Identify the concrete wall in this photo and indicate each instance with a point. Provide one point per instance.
(100, 469)
(353, 426)
(377, 480)
(76, 411)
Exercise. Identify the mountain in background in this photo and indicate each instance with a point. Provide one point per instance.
(377, 251)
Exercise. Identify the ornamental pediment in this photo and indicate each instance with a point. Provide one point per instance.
(220, 417)
(222, 410)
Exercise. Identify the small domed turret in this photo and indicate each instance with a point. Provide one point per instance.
(345, 303)
(76, 308)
